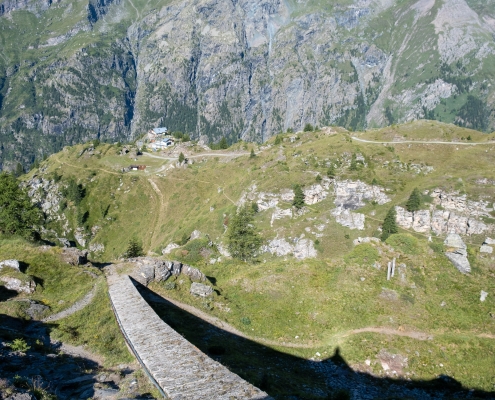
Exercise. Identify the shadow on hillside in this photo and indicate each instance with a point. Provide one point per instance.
(284, 376)
(43, 365)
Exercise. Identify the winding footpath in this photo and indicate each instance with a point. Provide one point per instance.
(78, 305)
(421, 142)
(178, 368)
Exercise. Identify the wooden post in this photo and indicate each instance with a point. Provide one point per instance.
(393, 268)
(389, 265)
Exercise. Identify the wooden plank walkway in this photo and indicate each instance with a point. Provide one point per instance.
(180, 369)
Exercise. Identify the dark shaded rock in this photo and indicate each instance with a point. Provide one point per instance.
(75, 256)
(36, 311)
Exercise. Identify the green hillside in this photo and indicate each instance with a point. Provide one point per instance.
(429, 312)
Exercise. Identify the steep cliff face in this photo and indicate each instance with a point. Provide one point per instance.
(70, 71)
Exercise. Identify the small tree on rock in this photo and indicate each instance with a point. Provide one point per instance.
(253, 154)
(298, 201)
(181, 157)
(389, 224)
(243, 238)
(414, 202)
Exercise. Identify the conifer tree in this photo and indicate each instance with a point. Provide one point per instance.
(414, 202)
(181, 157)
(298, 201)
(134, 249)
(389, 224)
(18, 215)
(243, 238)
(253, 154)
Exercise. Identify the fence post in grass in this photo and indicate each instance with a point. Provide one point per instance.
(393, 268)
(389, 265)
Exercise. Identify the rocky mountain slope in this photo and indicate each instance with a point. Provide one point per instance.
(70, 71)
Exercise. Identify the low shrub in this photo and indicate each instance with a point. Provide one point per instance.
(403, 242)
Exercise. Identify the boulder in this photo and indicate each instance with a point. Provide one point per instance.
(27, 286)
(195, 235)
(75, 256)
(455, 241)
(483, 295)
(198, 289)
(459, 259)
(169, 248)
(14, 264)
(162, 271)
(486, 249)
(193, 273)
(36, 311)
(147, 273)
(352, 194)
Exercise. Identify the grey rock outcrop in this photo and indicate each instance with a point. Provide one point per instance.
(457, 254)
(489, 241)
(304, 248)
(314, 194)
(349, 219)
(195, 235)
(439, 221)
(351, 195)
(361, 240)
(74, 256)
(198, 289)
(193, 273)
(301, 249)
(486, 249)
(169, 248)
(14, 264)
(20, 286)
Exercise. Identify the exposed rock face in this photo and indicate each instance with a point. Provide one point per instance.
(75, 256)
(440, 221)
(302, 248)
(460, 204)
(349, 219)
(314, 194)
(458, 253)
(14, 264)
(230, 68)
(198, 289)
(28, 286)
(352, 195)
